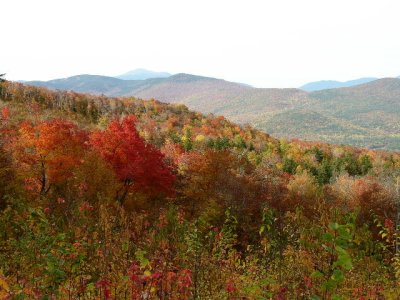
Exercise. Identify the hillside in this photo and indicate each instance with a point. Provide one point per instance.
(363, 115)
(239, 102)
(333, 84)
(116, 198)
(94, 84)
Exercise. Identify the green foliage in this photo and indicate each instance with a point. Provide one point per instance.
(324, 172)
(335, 242)
(289, 165)
(365, 164)
(187, 140)
(228, 235)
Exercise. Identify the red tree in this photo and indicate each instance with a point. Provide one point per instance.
(138, 166)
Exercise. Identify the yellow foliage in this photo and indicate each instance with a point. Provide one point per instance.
(4, 287)
(303, 186)
(199, 138)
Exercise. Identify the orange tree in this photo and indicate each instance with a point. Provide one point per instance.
(48, 152)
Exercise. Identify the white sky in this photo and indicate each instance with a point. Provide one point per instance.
(279, 43)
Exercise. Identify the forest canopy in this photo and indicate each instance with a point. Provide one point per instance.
(123, 198)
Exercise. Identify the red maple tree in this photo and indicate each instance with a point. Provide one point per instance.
(138, 165)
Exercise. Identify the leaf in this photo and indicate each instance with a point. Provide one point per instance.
(262, 229)
(334, 226)
(328, 237)
(3, 284)
(316, 274)
(337, 276)
(344, 259)
(125, 246)
(140, 256)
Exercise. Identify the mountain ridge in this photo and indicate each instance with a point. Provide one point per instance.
(331, 84)
(362, 115)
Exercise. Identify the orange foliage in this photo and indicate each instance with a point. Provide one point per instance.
(224, 179)
(371, 196)
(48, 152)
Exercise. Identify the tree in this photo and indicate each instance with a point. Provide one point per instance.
(48, 152)
(6, 171)
(1, 81)
(6, 174)
(214, 181)
(138, 166)
(187, 140)
(324, 172)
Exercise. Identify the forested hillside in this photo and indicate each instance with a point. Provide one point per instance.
(121, 198)
(365, 115)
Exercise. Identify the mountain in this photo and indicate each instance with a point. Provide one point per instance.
(332, 84)
(365, 115)
(239, 102)
(95, 84)
(142, 74)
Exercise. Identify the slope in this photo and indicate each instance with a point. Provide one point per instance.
(365, 115)
(240, 102)
(368, 115)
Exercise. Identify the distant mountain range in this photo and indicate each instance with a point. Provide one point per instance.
(332, 84)
(366, 115)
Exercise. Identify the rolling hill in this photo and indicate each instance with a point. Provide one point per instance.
(365, 115)
(333, 84)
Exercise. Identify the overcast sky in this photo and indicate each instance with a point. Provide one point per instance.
(278, 43)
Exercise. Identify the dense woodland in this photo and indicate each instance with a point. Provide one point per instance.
(120, 198)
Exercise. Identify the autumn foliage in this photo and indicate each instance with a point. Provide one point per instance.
(120, 198)
(138, 166)
(48, 152)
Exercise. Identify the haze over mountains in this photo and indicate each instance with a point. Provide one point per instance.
(142, 74)
(366, 115)
(333, 84)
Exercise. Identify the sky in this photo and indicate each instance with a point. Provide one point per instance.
(279, 43)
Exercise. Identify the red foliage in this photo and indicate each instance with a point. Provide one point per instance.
(173, 152)
(138, 165)
(5, 113)
(230, 287)
(104, 285)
